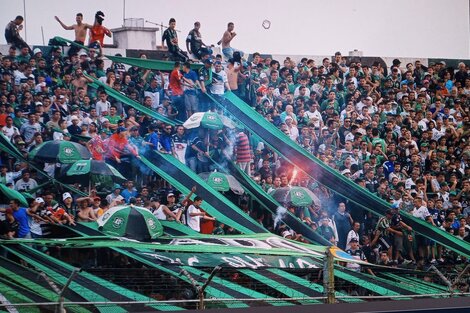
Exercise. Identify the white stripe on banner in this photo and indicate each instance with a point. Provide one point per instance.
(7, 304)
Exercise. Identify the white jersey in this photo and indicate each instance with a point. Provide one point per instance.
(158, 213)
(194, 221)
(9, 132)
(219, 79)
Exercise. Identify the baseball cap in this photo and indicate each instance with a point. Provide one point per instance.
(66, 195)
(353, 240)
(119, 198)
(37, 50)
(170, 195)
(208, 61)
(121, 129)
(39, 200)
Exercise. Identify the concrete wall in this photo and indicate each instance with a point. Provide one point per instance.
(135, 38)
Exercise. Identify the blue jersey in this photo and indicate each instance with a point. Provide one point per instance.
(191, 75)
(21, 216)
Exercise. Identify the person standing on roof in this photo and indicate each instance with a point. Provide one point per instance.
(171, 38)
(194, 43)
(12, 33)
(227, 37)
(80, 32)
(98, 31)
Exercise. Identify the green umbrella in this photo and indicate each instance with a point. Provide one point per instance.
(130, 221)
(210, 120)
(85, 171)
(10, 194)
(222, 182)
(59, 152)
(297, 196)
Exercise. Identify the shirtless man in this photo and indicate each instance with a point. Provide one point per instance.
(80, 80)
(229, 34)
(80, 32)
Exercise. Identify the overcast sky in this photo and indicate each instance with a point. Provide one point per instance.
(401, 28)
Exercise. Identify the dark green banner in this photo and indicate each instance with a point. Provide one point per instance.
(329, 177)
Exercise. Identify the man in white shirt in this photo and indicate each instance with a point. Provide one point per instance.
(293, 130)
(419, 210)
(26, 183)
(314, 116)
(219, 80)
(195, 215)
(9, 130)
(103, 105)
(7, 177)
(353, 234)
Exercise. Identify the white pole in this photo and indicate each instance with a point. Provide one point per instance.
(42, 32)
(24, 16)
(123, 12)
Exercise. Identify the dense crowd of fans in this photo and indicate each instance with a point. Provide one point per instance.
(399, 132)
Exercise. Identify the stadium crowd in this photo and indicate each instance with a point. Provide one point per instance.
(399, 132)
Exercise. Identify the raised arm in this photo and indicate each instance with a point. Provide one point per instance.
(62, 24)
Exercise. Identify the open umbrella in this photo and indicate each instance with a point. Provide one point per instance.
(59, 152)
(222, 182)
(131, 222)
(298, 196)
(90, 172)
(7, 194)
(210, 120)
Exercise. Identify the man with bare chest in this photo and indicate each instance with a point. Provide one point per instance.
(80, 32)
(80, 80)
(227, 37)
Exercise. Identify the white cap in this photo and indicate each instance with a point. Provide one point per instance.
(82, 53)
(39, 200)
(66, 195)
(346, 171)
(36, 50)
(119, 198)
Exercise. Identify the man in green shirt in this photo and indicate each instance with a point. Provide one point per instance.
(113, 118)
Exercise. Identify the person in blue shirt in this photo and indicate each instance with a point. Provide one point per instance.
(153, 137)
(129, 192)
(389, 166)
(166, 140)
(20, 215)
(190, 84)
